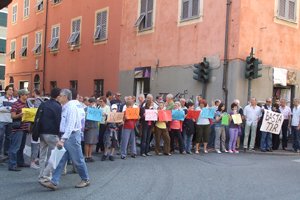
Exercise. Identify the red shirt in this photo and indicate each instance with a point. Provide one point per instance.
(17, 108)
(129, 124)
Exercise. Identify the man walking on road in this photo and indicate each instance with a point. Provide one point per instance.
(70, 127)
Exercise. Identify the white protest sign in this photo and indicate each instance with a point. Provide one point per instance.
(151, 115)
(272, 122)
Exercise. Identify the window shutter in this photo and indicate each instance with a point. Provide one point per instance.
(103, 25)
(185, 9)
(292, 11)
(149, 14)
(195, 10)
(143, 6)
(282, 8)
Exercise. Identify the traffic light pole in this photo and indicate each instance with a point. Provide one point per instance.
(249, 89)
(204, 89)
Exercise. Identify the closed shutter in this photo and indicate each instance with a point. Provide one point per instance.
(195, 10)
(281, 9)
(292, 11)
(2, 72)
(149, 14)
(185, 9)
(103, 25)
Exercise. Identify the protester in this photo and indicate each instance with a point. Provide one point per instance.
(233, 130)
(169, 102)
(18, 135)
(295, 125)
(175, 131)
(91, 133)
(241, 126)
(105, 110)
(70, 127)
(286, 111)
(48, 129)
(109, 98)
(188, 129)
(202, 129)
(252, 113)
(220, 129)
(6, 102)
(275, 137)
(266, 137)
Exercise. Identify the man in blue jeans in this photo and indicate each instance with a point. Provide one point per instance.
(70, 127)
(6, 102)
(18, 135)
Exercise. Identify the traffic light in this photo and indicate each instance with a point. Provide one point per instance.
(257, 68)
(196, 71)
(250, 67)
(204, 71)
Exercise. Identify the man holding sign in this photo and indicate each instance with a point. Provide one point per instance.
(266, 137)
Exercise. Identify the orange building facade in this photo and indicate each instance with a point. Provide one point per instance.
(150, 46)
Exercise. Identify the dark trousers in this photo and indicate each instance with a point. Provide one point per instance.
(17, 144)
(296, 136)
(284, 129)
(146, 135)
(275, 141)
(100, 144)
(175, 133)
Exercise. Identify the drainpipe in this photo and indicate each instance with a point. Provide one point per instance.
(45, 47)
(225, 69)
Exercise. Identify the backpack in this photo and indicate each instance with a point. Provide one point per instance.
(36, 124)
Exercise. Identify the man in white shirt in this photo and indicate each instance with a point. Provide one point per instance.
(252, 113)
(70, 127)
(286, 111)
(296, 126)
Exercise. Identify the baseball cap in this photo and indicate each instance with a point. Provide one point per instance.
(23, 92)
(114, 106)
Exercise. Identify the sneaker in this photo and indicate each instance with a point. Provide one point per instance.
(225, 151)
(144, 155)
(251, 150)
(133, 156)
(103, 158)
(230, 151)
(34, 166)
(167, 154)
(236, 151)
(196, 152)
(183, 152)
(83, 184)
(218, 151)
(148, 154)
(49, 185)
(158, 154)
(123, 157)
(111, 158)
(205, 151)
(188, 152)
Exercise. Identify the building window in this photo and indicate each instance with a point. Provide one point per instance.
(145, 20)
(53, 84)
(12, 52)
(24, 46)
(98, 87)
(56, 1)
(11, 80)
(190, 9)
(39, 5)
(3, 19)
(2, 45)
(74, 84)
(14, 13)
(24, 85)
(101, 26)
(37, 82)
(26, 8)
(38, 43)
(74, 38)
(287, 10)
(54, 39)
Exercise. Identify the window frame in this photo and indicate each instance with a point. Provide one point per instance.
(99, 27)
(142, 17)
(190, 10)
(14, 14)
(101, 91)
(26, 14)
(38, 43)
(24, 49)
(39, 5)
(76, 84)
(75, 37)
(287, 11)
(54, 39)
(55, 2)
(13, 51)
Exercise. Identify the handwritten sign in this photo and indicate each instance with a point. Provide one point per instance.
(208, 113)
(115, 117)
(28, 114)
(193, 114)
(178, 115)
(225, 120)
(164, 115)
(132, 113)
(272, 122)
(94, 114)
(237, 119)
(151, 115)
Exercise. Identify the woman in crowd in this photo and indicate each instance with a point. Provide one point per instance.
(233, 129)
(161, 131)
(188, 129)
(91, 133)
(105, 110)
(220, 128)
(202, 129)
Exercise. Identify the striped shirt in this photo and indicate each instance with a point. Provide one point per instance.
(17, 108)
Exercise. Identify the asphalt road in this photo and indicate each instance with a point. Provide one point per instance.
(211, 176)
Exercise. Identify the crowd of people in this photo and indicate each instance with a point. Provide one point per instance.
(61, 122)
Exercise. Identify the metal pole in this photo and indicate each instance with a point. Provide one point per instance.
(249, 89)
(204, 89)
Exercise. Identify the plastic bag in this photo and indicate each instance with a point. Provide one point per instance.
(56, 156)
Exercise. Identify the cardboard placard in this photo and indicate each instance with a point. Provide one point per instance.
(132, 113)
(193, 114)
(151, 115)
(272, 122)
(208, 113)
(225, 119)
(237, 119)
(164, 115)
(28, 114)
(178, 115)
(94, 114)
(115, 117)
